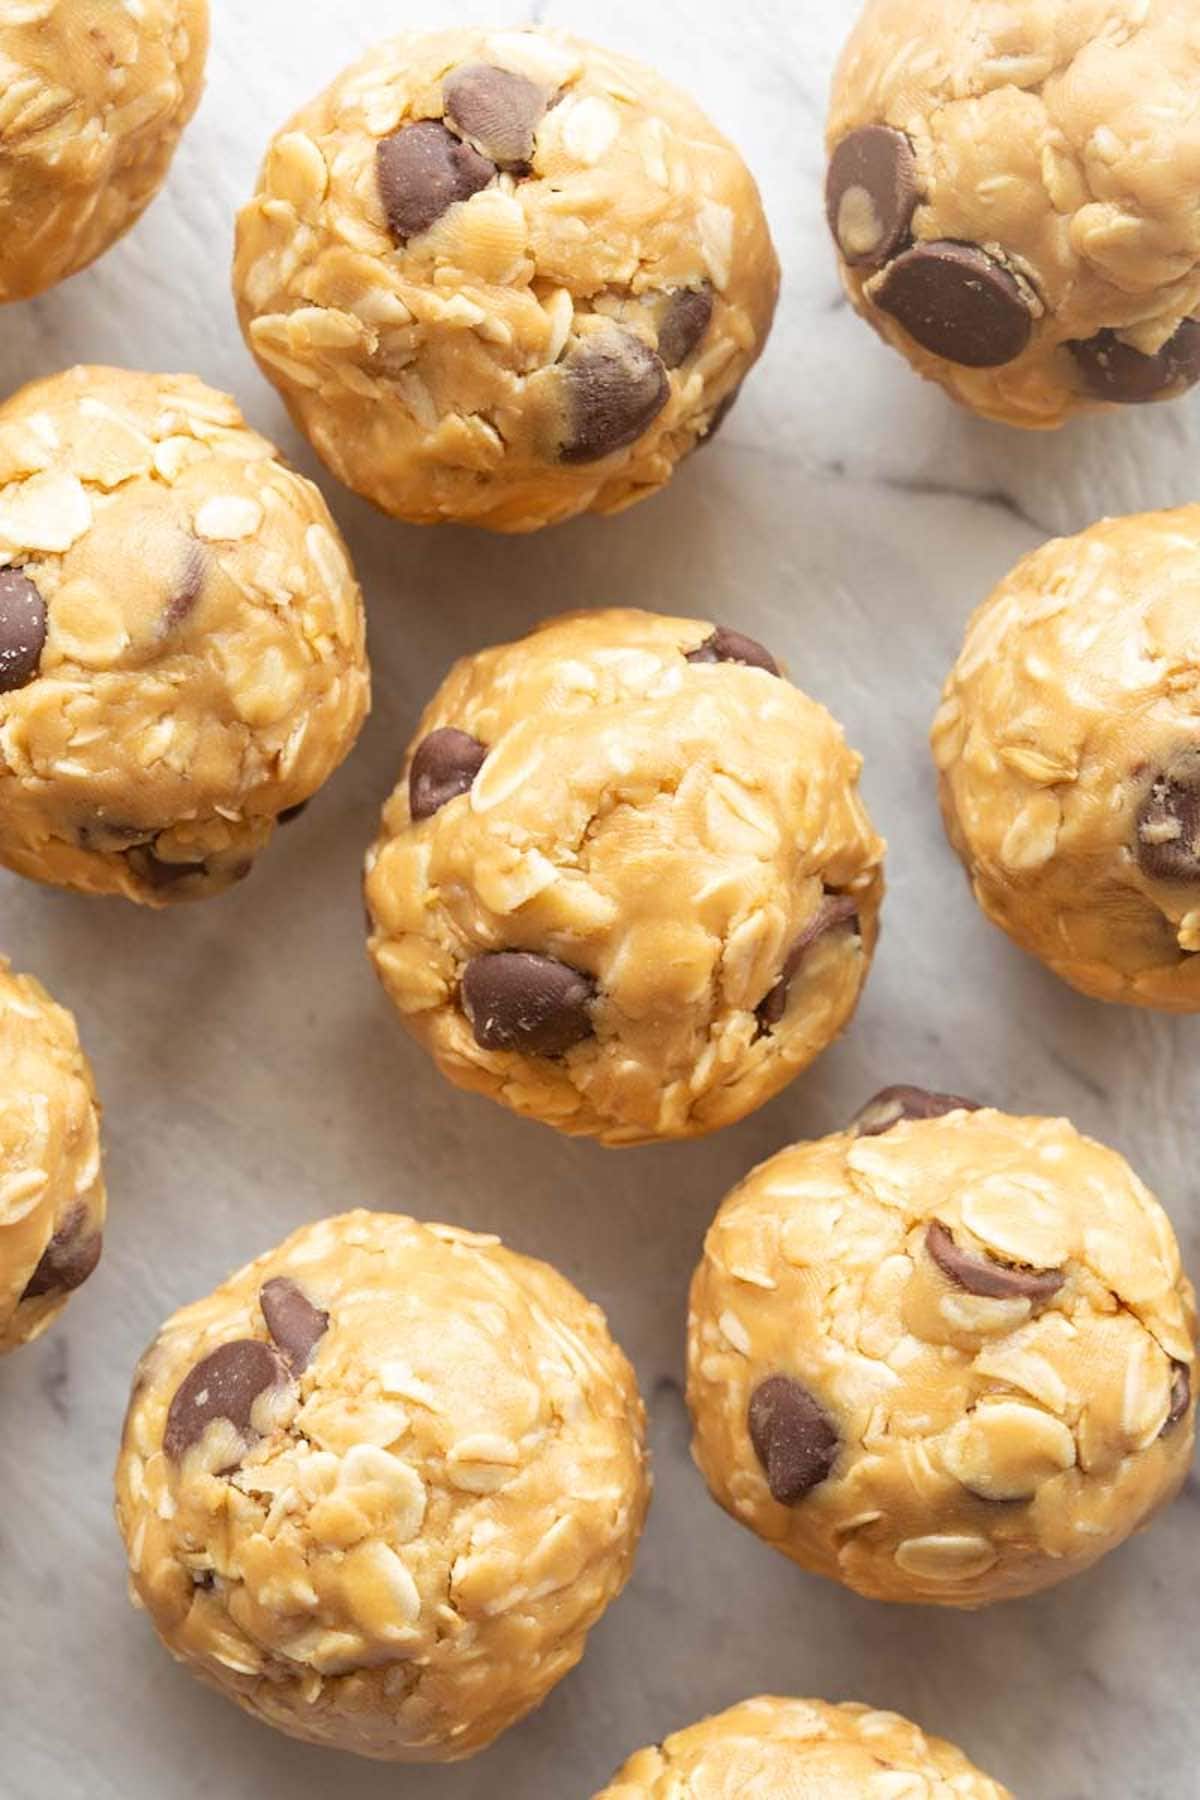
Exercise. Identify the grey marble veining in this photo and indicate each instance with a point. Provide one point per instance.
(254, 1076)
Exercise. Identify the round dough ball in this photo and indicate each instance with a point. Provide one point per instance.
(504, 277)
(181, 637)
(804, 1748)
(1069, 759)
(380, 1485)
(96, 97)
(944, 1356)
(52, 1199)
(1012, 188)
(627, 886)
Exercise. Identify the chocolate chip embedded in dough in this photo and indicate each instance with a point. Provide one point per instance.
(68, 1259)
(871, 195)
(535, 1004)
(295, 1324)
(1113, 370)
(158, 873)
(224, 1385)
(793, 1437)
(834, 910)
(22, 630)
(188, 589)
(983, 1275)
(1181, 1396)
(614, 387)
(1167, 835)
(894, 1104)
(957, 302)
(497, 111)
(423, 170)
(686, 320)
(444, 765)
(725, 646)
(291, 813)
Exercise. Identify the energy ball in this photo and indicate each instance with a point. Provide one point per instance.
(943, 1356)
(380, 1485)
(96, 96)
(52, 1200)
(1068, 748)
(627, 885)
(805, 1748)
(504, 277)
(181, 637)
(1011, 189)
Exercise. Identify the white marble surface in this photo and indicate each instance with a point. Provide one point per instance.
(254, 1076)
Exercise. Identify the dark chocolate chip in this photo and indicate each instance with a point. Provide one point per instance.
(498, 112)
(871, 195)
(793, 1437)
(296, 1325)
(719, 417)
(687, 318)
(191, 583)
(423, 170)
(983, 1275)
(444, 765)
(157, 873)
(957, 302)
(1113, 370)
(224, 1385)
(1167, 839)
(893, 1104)
(291, 813)
(1181, 1396)
(725, 646)
(68, 1258)
(834, 910)
(22, 630)
(518, 1001)
(615, 388)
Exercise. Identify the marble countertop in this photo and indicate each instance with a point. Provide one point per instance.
(254, 1076)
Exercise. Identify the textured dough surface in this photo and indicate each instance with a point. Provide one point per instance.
(986, 1446)
(428, 373)
(670, 828)
(772, 1749)
(1061, 137)
(1078, 688)
(51, 1189)
(95, 95)
(204, 666)
(416, 1532)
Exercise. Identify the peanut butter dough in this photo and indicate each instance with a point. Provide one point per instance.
(627, 885)
(51, 1189)
(93, 98)
(380, 1485)
(181, 637)
(1068, 744)
(504, 277)
(802, 1750)
(1012, 190)
(943, 1356)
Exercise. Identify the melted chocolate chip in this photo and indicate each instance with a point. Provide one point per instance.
(687, 318)
(983, 1275)
(534, 1004)
(1181, 1396)
(497, 111)
(1113, 370)
(871, 195)
(296, 1325)
(894, 1104)
(22, 630)
(423, 170)
(725, 646)
(444, 765)
(615, 386)
(68, 1259)
(1167, 839)
(834, 910)
(793, 1437)
(957, 302)
(224, 1385)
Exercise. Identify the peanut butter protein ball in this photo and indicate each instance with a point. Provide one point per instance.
(944, 1356)
(504, 277)
(96, 95)
(51, 1189)
(1068, 745)
(181, 637)
(802, 1750)
(627, 885)
(1011, 189)
(380, 1485)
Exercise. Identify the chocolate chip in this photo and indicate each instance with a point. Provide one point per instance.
(892, 1104)
(498, 112)
(719, 417)
(793, 1437)
(1115, 371)
(1167, 839)
(296, 1325)
(957, 302)
(224, 1385)
(518, 1001)
(188, 589)
(983, 1275)
(423, 170)
(871, 195)
(444, 765)
(291, 813)
(725, 646)
(157, 873)
(1181, 1396)
(687, 318)
(834, 910)
(204, 1579)
(22, 630)
(68, 1259)
(615, 388)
